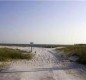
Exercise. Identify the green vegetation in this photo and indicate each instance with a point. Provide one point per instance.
(78, 50)
(8, 54)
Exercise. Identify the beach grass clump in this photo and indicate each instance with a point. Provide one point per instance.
(8, 54)
(78, 50)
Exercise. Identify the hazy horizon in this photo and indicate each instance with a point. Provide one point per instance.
(48, 22)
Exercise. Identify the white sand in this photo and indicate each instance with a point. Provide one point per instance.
(46, 65)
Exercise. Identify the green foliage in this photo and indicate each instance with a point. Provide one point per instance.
(79, 50)
(8, 54)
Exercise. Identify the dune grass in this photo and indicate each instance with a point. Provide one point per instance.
(8, 54)
(79, 50)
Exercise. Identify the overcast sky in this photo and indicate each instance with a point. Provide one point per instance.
(43, 22)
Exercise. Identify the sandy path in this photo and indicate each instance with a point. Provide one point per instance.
(46, 65)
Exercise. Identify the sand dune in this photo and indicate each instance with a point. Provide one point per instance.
(46, 65)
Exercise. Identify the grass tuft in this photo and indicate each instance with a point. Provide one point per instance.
(79, 50)
(8, 54)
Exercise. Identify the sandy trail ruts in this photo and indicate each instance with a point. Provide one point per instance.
(46, 65)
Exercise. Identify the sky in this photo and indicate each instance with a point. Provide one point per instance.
(48, 22)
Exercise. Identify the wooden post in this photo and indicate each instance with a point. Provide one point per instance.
(31, 48)
(31, 44)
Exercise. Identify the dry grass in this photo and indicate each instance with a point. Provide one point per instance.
(79, 50)
(8, 54)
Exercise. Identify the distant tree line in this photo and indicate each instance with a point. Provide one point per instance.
(36, 45)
